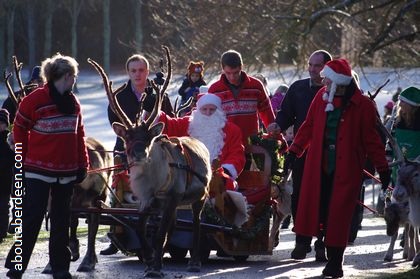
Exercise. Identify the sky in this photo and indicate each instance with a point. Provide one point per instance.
(94, 101)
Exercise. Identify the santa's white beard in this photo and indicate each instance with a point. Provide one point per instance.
(209, 130)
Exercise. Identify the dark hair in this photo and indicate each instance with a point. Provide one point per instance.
(325, 54)
(231, 58)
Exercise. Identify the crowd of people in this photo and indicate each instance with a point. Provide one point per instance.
(330, 126)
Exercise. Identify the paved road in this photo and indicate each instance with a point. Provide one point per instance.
(362, 260)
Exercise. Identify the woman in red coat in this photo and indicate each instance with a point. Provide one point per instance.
(339, 133)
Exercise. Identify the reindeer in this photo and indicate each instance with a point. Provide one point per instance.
(408, 187)
(163, 174)
(409, 179)
(281, 194)
(87, 194)
(396, 215)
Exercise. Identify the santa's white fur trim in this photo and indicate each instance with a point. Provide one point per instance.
(231, 169)
(329, 107)
(241, 214)
(325, 96)
(337, 78)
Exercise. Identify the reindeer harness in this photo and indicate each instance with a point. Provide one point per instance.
(187, 167)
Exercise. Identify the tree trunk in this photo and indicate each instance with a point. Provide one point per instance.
(31, 33)
(49, 11)
(107, 35)
(74, 16)
(2, 40)
(138, 25)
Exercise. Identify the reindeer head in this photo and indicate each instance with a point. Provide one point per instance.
(138, 137)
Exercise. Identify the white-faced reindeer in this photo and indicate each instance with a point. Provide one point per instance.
(163, 174)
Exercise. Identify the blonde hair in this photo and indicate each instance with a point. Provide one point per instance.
(408, 114)
(136, 57)
(57, 66)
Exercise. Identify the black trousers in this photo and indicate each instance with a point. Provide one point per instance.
(34, 207)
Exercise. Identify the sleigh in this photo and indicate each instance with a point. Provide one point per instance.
(217, 231)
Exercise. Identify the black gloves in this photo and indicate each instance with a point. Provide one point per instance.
(81, 175)
(385, 177)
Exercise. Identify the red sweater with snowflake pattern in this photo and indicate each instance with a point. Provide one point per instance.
(52, 142)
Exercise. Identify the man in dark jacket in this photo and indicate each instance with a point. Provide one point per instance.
(293, 112)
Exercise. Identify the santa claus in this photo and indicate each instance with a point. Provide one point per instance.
(223, 139)
(208, 124)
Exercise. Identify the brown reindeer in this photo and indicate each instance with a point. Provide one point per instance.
(86, 194)
(163, 174)
(409, 179)
(408, 188)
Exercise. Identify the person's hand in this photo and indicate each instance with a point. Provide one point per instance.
(385, 177)
(81, 175)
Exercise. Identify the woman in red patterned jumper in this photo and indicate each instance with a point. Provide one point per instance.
(49, 129)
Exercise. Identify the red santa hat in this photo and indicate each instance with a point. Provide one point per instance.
(339, 72)
(208, 98)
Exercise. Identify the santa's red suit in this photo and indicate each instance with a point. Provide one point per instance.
(231, 154)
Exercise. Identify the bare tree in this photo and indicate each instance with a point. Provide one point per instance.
(49, 13)
(106, 34)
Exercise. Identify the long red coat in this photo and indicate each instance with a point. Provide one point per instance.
(357, 138)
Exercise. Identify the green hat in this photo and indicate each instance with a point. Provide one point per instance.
(411, 95)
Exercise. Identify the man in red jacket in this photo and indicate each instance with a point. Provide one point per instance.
(339, 133)
(244, 98)
(49, 142)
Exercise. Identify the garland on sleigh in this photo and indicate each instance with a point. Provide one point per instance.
(212, 217)
(271, 145)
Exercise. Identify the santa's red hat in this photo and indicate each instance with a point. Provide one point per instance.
(339, 72)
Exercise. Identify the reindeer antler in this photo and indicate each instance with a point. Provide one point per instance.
(12, 95)
(372, 97)
(18, 68)
(397, 150)
(160, 93)
(113, 103)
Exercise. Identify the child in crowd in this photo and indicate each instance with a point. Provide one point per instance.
(192, 82)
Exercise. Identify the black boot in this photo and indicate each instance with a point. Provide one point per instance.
(111, 250)
(320, 251)
(334, 267)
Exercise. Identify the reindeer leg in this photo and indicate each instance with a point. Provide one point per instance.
(416, 260)
(90, 259)
(390, 252)
(406, 241)
(146, 249)
(168, 216)
(411, 249)
(277, 218)
(194, 265)
(73, 241)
